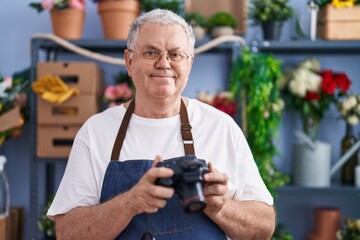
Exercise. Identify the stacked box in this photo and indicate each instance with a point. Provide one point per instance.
(339, 23)
(57, 124)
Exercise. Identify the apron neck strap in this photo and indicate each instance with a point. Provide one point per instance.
(185, 131)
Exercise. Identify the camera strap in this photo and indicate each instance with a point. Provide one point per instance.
(185, 131)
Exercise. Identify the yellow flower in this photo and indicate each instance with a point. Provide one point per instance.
(342, 3)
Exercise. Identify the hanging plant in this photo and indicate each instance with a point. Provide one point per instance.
(255, 83)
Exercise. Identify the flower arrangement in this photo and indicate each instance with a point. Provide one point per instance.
(57, 4)
(311, 91)
(337, 3)
(13, 108)
(224, 101)
(121, 92)
(350, 230)
(350, 109)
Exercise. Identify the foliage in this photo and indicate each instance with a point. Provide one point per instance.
(311, 91)
(222, 19)
(13, 92)
(337, 3)
(350, 229)
(122, 91)
(281, 234)
(270, 10)
(224, 101)
(350, 109)
(57, 4)
(254, 81)
(44, 223)
(195, 19)
(172, 5)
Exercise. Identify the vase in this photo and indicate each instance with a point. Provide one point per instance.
(117, 16)
(311, 166)
(68, 23)
(272, 30)
(310, 124)
(327, 223)
(348, 169)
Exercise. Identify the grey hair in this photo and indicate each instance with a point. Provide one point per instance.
(160, 16)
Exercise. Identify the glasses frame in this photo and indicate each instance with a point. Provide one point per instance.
(183, 60)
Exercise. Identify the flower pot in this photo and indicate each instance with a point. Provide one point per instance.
(311, 166)
(272, 30)
(199, 32)
(327, 223)
(222, 31)
(68, 23)
(117, 16)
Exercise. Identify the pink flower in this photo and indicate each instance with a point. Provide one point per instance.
(8, 82)
(79, 4)
(118, 92)
(47, 4)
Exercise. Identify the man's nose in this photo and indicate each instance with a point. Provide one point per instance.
(163, 61)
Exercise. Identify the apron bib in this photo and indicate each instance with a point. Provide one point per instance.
(170, 222)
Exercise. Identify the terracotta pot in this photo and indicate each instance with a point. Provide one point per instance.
(117, 16)
(68, 23)
(327, 223)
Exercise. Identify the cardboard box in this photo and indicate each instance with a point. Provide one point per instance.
(339, 24)
(238, 8)
(85, 76)
(55, 141)
(75, 111)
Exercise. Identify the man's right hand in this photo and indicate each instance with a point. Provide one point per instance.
(148, 197)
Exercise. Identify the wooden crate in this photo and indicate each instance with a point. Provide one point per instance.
(238, 8)
(339, 24)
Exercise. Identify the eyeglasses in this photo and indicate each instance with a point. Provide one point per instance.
(177, 57)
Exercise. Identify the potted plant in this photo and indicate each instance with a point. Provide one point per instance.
(176, 6)
(45, 224)
(117, 16)
(198, 23)
(270, 14)
(221, 23)
(67, 16)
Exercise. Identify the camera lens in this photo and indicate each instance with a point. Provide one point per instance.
(196, 207)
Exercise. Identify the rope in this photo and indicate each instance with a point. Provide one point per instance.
(120, 61)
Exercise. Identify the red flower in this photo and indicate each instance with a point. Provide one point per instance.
(342, 81)
(310, 96)
(328, 84)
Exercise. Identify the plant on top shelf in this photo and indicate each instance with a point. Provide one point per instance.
(57, 5)
(270, 14)
(175, 6)
(221, 23)
(337, 3)
(198, 22)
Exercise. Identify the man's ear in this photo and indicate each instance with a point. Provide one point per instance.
(128, 61)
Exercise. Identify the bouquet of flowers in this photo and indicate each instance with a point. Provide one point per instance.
(13, 97)
(311, 91)
(57, 4)
(350, 230)
(121, 92)
(224, 101)
(350, 109)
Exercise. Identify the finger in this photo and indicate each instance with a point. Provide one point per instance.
(158, 159)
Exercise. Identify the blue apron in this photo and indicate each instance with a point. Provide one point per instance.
(170, 222)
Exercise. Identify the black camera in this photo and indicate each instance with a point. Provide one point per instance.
(187, 181)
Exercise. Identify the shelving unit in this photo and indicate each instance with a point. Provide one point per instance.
(295, 204)
(52, 50)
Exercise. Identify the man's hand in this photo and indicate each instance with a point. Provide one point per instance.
(215, 190)
(148, 197)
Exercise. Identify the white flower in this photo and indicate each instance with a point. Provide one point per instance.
(352, 120)
(298, 88)
(310, 64)
(349, 103)
(205, 97)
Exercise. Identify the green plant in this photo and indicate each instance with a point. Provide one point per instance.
(255, 83)
(350, 229)
(44, 223)
(270, 10)
(222, 19)
(172, 5)
(195, 19)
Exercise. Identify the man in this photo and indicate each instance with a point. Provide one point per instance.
(119, 199)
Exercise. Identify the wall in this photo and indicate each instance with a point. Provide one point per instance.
(18, 23)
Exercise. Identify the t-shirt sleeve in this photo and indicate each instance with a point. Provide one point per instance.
(77, 187)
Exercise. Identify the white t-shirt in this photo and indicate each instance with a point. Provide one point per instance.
(217, 139)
